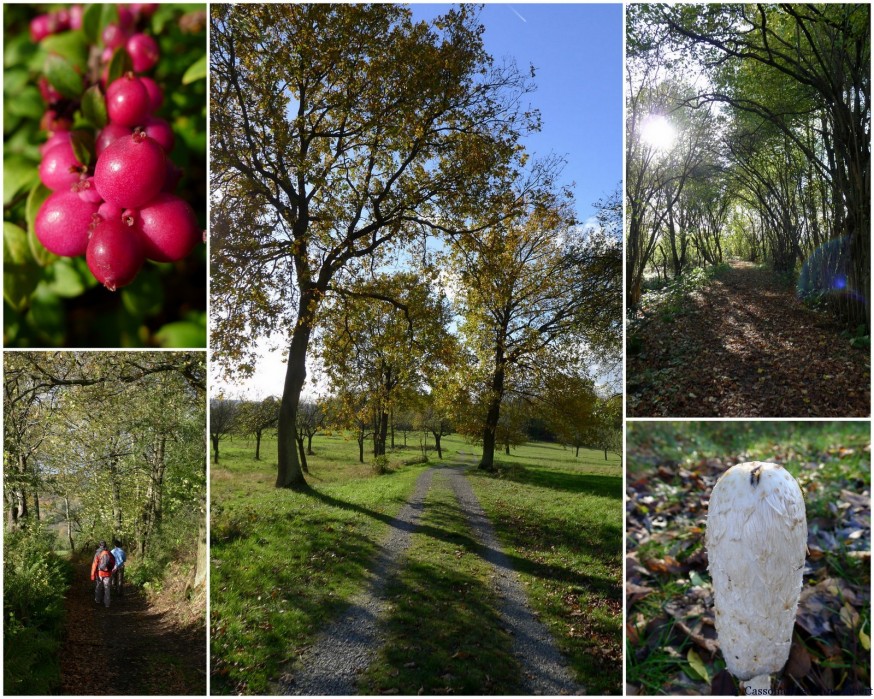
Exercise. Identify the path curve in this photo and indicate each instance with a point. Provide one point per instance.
(544, 669)
(332, 664)
(746, 346)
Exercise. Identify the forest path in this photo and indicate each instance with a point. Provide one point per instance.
(345, 649)
(746, 346)
(131, 648)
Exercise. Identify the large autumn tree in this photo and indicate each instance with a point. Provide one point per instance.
(338, 131)
(534, 290)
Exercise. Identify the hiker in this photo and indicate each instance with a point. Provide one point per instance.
(118, 572)
(101, 571)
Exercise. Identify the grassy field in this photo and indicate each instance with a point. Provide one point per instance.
(672, 467)
(560, 517)
(284, 563)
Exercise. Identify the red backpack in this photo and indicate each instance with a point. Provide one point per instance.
(105, 561)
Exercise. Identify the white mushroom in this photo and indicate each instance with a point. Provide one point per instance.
(756, 545)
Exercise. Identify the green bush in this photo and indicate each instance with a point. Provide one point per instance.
(35, 581)
(172, 542)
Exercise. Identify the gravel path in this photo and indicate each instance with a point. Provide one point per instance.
(347, 646)
(544, 670)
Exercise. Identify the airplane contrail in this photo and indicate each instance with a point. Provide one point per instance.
(519, 16)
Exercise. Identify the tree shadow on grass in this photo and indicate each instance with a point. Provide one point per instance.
(585, 484)
(444, 637)
(470, 544)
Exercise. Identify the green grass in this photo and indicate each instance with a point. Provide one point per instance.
(283, 563)
(560, 520)
(444, 634)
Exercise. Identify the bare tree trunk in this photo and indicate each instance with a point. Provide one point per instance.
(257, 445)
(289, 472)
(303, 457)
(69, 522)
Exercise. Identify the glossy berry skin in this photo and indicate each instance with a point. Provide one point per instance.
(161, 131)
(40, 27)
(131, 171)
(113, 36)
(156, 94)
(59, 167)
(109, 134)
(169, 228)
(114, 254)
(62, 223)
(56, 139)
(143, 51)
(127, 101)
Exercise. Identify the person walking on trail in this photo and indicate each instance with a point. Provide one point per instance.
(101, 572)
(118, 572)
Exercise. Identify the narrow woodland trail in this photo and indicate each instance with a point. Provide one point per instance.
(745, 346)
(349, 645)
(131, 648)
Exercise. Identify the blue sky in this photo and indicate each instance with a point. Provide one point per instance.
(576, 50)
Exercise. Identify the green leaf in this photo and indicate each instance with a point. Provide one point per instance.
(196, 71)
(27, 103)
(182, 334)
(91, 23)
(46, 315)
(697, 665)
(94, 106)
(83, 145)
(120, 64)
(35, 200)
(18, 174)
(66, 279)
(145, 296)
(69, 45)
(696, 579)
(63, 77)
(864, 639)
(20, 273)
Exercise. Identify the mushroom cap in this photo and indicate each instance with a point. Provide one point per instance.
(756, 542)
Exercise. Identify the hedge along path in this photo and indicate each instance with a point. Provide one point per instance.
(348, 645)
(544, 669)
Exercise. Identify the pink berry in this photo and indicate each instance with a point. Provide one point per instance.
(62, 222)
(57, 138)
(110, 211)
(156, 95)
(127, 101)
(59, 167)
(131, 171)
(114, 254)
(143, 51)
(40, 27)
(62, 18)
(76, 12)
(125, 18)
(161, 131)
(109, 134)
(86, 190)
(144, 9)
(51, 121)
(49, 94)
(169, 228)
(113, 36)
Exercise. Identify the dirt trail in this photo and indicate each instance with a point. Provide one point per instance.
(131, 648)
(745, 346)
(331, 666)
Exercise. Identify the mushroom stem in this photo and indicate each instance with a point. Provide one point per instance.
(759, 682)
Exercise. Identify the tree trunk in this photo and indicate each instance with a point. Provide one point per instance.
(493, 415)
(289, 472)
(310, 445)
(69, 522)
(437, 443)
(257, 445)
(302, 454)
(577, 454)
(215, 447)
(361, 447)
(392, 423)
(605, 454)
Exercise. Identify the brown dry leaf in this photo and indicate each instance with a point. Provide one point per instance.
(799, 661)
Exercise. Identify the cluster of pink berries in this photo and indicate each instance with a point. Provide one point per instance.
(120, 210)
